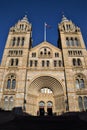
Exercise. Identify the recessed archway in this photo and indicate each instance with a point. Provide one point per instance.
(54, 93)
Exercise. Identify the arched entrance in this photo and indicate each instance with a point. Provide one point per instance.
(49, 108)
(41, 108)
(50, 91)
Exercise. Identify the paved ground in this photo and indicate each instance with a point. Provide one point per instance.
(74, 121)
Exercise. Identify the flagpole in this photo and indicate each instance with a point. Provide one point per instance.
(44, 31)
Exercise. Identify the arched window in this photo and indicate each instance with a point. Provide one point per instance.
(60, 63)
(18, 41)
(67, 41)
(85, 103)
(46, 90)
(80, 102)
(43, 63)
(14, 41)
(13, 84)
(76, 42)
(16, 62)
(6, 103)
(8, 83)
(81, 83)
(41, 104)
(12, 62)
(74, 62)
(77, 83)
(79, 63)
(11, 103)
(72, 42)
(49, 104)
(22, 41)
(48, 63)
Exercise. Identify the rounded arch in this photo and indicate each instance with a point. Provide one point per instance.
(80, 80)
(46, 82)
(10, 81)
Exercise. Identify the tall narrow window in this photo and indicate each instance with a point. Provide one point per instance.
(80, 102)
(43, 63)
(6, 103)
(35, 63)
(11, 103)
(31, 63)
(16, 62)
(77, 84)
(13, 84)
(48, 63)
(67, 41)
(85, 103)
(81, 82)
(76, 42)
(8, 83)
(18, 41)
(55, 63)
(14, 41)
(12, 62)
(60, 63)
(74, 62)
(22, 41)
(72, 42)
(79, 62)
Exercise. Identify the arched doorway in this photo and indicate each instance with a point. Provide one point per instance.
(49, 108)
(46, 89)
(41, 108)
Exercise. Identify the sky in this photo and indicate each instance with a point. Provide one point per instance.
(39, 12)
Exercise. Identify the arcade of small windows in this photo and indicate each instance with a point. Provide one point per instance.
(18, 41)
(79, 82)
(33, 63)
(45, 52)
(45, 63)
(8, 103)
(56, 54)
(57, 63)
(72, 41)
(82, 102)
(11, 82)
(13, 62)
(77, 62)
(34, 54)
(15, 53)
(46, 90)
(74, 53)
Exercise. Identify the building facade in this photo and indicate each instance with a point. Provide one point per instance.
(45, 78)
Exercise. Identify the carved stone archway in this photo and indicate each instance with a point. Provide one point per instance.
(34, 95)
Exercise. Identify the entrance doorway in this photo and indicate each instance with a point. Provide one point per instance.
(49, 108)
(41, 108)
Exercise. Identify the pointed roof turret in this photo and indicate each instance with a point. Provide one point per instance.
(25, 19)
(64, 19)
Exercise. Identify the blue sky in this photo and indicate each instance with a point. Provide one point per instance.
(38, 12)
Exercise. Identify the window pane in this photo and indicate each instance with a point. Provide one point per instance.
(85, 103)
(82, 83)
(80, 103)
(13, 84)
(8, 84)
(11, 103)
(77, 83)
(6, 103)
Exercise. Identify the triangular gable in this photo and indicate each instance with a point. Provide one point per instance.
(45, 43)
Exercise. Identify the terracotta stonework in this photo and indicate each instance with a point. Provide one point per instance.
(44, 77)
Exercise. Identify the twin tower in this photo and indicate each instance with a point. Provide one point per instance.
(44, 79)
